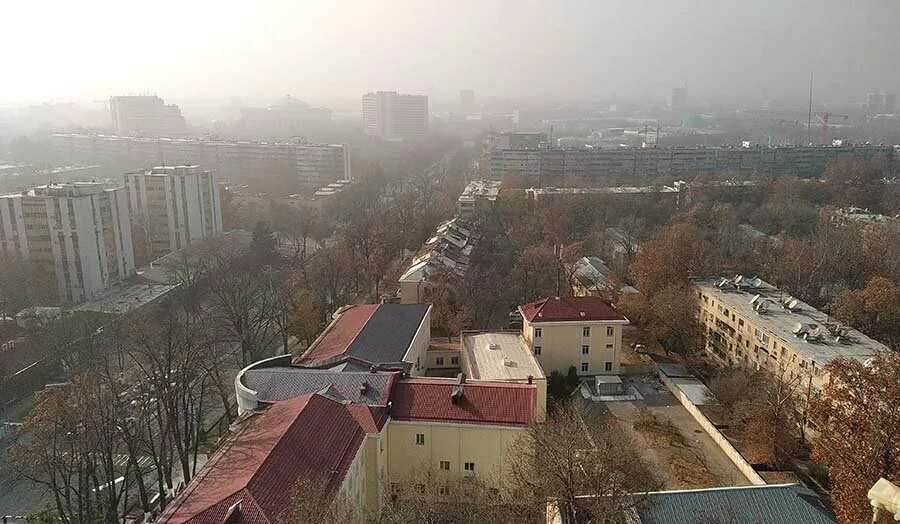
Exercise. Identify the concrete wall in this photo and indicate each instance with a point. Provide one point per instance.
(733, 454)
(419, 346)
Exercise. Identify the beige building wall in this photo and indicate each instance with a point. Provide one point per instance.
(412, 292)
(443, 359)
(419, 347)
(487, 447)
(560, 345)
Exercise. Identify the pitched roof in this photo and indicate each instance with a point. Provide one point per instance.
(493, 404)
(571, 309)
(283, 383)
(267, 456)
(784, 504)
(374, 333)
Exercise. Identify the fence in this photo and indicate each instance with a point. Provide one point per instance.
(733, 454)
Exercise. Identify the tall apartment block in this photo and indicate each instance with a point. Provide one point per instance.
(305, 167)
(174, 206)
(81, 233)
(394, 116)
(148, 115)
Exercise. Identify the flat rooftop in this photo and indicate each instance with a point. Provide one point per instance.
(613, 190)
(782, 322)
(488, 189)
(498, 356)
(124, 297)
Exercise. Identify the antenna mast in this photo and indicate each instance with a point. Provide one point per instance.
(809, 117)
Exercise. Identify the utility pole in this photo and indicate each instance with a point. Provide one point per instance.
(809, 117)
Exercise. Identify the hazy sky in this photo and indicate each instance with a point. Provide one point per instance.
(190, 49)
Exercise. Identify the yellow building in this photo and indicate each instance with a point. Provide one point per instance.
(751, 324)
(580, 332)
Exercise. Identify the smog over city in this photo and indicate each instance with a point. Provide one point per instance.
(406, 262)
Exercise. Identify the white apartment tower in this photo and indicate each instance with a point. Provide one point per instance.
(174, 206)
(148, 115)
(81, 233)
(393, 116)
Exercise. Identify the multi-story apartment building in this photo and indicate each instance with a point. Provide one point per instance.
(393, 116)
(547, 165)
(297, 165)
(147, 115)
(445, 255)
(478, 196)
(174, 206)
(580, 332)
(81, 233)
(749, 323)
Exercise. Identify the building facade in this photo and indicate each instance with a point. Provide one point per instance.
(298, 165)
(147, 115)
(751, 324)
(580, 332)
(546, 165)
(477, 197)
(81, 233)
(174, 206)
(394, 116)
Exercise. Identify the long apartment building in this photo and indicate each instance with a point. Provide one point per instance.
(550, 164)
(81, 233)
(304, 167)
(394, 116)
(750, 323)
(445, 255)
(175, 206)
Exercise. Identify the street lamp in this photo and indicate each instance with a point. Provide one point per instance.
(884, 495)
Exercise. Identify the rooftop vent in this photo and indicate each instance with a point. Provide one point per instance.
(581, 313)
(494, 346)
(509, 362)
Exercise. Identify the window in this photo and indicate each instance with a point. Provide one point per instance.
(537, 350)
(609, 346)
(538, 332)
(454, 361)
(584, 367)
(469, 466)
(445, 465)
(607, 366)
(442, 490)
(610, 331)
(585, 331)
(420, 439)
(440, 361)
(585, 350)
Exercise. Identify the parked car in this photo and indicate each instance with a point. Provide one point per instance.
(639, 348)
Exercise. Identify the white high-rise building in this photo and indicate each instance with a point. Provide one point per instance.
(173, 207)
(148, 115)
(394, 116)
(81, 233)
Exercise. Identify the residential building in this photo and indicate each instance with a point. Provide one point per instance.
(580, 332)
(478, 196)
(394, 116)
(145, 115)
(306, 167)
(289, 117)
(362, 336)
(81, 233)
(771, 503)
(519, 140)
(503, 356)
(547, 165)
(446, 254)
(173, 206)
(750, 323)
(591, 277)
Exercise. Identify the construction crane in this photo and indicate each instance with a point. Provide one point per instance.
(824, 117)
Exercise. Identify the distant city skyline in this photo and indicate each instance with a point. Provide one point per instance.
(578, 49)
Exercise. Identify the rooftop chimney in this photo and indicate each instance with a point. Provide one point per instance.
(531, 379)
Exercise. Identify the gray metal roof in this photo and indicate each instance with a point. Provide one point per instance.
(283, 383)
(782, 504)
(387, 335)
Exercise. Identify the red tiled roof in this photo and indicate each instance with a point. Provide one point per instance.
(341, 334)
(565, 309)
(307, 437)
(429, 400)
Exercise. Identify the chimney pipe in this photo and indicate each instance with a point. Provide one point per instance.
(531, 379)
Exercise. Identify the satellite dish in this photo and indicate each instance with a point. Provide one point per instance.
(797, 329)
(754, 299)
(756, 282)
(793, 304)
